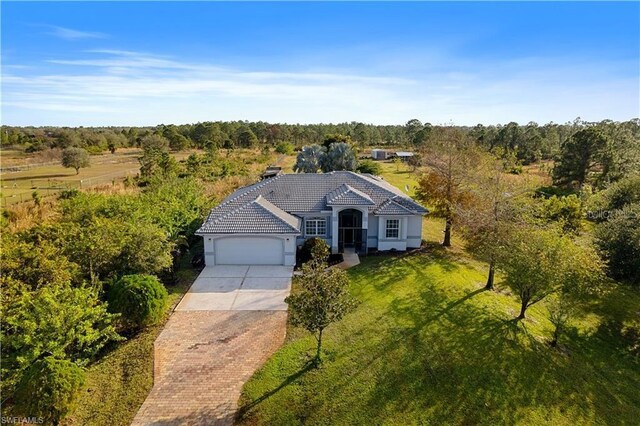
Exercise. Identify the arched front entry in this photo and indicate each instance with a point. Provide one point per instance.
(350, 232)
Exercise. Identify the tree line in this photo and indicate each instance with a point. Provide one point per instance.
(529, 142)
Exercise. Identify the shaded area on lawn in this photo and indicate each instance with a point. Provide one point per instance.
(429, 345)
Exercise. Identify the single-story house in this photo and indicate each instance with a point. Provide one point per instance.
(264, 223)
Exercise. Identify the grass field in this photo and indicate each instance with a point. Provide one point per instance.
(287, 162)
(427, 345)
(51, 179)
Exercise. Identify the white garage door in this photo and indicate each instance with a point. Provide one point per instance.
(249, 251)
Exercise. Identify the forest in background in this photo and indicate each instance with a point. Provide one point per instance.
(530, 142)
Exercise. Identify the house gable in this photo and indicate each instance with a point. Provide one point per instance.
(392, 208)
(258, 216)
(345, 195)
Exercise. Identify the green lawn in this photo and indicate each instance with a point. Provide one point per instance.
(399, 175)
(427, 345)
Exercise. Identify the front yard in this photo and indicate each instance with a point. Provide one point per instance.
(428, 346)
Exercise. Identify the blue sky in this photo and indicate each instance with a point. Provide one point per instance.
(90, 63)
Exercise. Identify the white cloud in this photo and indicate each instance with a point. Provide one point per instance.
(71, 34)
(115, 87)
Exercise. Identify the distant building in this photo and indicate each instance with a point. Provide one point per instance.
(272, 171)
(404, 155)
(380, 154)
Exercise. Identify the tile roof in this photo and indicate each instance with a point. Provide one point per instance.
(392, 207)
(269, 206)
(257, 216)
(344, 195)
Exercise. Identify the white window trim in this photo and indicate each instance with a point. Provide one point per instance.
(316, 221)
(396, 228)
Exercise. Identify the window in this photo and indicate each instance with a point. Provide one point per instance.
(315, 226)
(393, 228)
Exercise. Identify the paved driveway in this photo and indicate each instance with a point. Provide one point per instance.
(239, 288)
(226, 326)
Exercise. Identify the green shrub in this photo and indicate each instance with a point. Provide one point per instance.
(141, 299)
(369, 166)
(68, 193)
(565, 210)
(96, 149)
(48, 389)
(549, 191)
(619, 240)
(285, 148)
(313, 248)
(35, 147)
(516, 170)
(68, 322)
(619, 195)
(36, 197)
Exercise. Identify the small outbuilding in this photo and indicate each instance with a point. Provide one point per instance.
(272, 171)
(404, 155)
(380, 154)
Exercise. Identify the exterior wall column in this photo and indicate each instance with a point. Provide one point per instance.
(404, 227)
(334, 230)
(290, 250)
(365, 227)
(209, 255)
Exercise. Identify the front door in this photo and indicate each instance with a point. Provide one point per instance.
(349, 227)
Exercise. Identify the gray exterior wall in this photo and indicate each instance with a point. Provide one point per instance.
(303, 237)
(410, 232)
(414, 232)
(372, 232)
